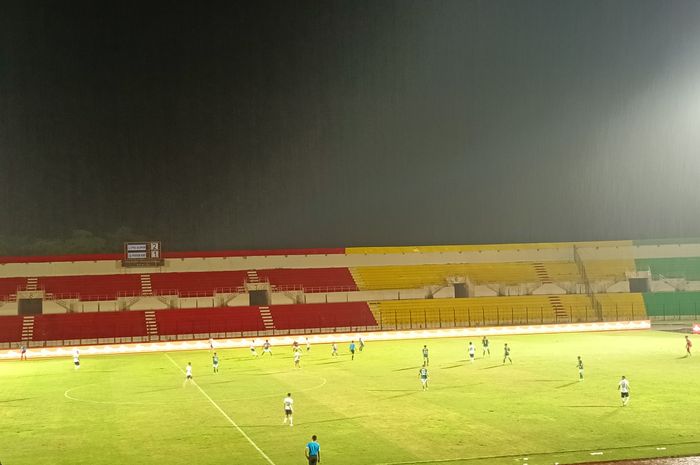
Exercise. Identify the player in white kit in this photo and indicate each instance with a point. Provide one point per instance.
(624, 387)
(297, 358)
(188, 374)
(472, 352)
(288, 409)
(76, 359)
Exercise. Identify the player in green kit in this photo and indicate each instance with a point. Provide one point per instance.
(215, 362)
(485, 346)
(506, 353)
(423, 374)
(579, 365)
(426, 360)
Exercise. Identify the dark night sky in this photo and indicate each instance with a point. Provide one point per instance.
(309, 124)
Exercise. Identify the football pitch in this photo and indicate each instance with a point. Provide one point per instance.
(134, 409)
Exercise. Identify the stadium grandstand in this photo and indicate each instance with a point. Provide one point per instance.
(65, 300)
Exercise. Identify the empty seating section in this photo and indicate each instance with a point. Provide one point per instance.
(597, 270)
(672, 304)
(197, 283)
(10, 328)
(622, 306)
(93, 287)
(562, 271)
(337, 315)
(482, 311)
(9, 286)
(311, 279)
(577, 307)
(209, 320)
(73, 326)
(682, 267)
(416, 276)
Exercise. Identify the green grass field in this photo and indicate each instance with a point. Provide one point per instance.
(134, 409)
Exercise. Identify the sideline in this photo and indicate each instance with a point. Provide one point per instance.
(524, 457)
(233, 423)
(327, 338)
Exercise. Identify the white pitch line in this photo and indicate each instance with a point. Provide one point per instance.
(230, 420)
(417, 462)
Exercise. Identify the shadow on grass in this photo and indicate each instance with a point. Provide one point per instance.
(591, 406)
(493, 366)
(567, 384)
(390, 390)
(409, 368)
(328, 363)
(158, 390)
(330, 420)
(451, 366)
(403, 395)
(15, 400)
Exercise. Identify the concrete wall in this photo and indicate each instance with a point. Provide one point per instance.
(588, 251)
(667, 251)
(291, 261)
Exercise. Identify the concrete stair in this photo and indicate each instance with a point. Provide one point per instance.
(253, 276)
(267, 318)
(558, 306)
(151, 324)
(146, 287)
(542, 274)
(27, 328)
(32, 284)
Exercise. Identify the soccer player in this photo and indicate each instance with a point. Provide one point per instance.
(426, 360)
(688, 346)
(313, 451)
(308, 345)
(485, 346)
(253, 352)
(297, 358)
(76, 359)
(188, 374)
(288, 414)
(211, 343)
(472, 352)
(334, 350)
(295, 346)
(506, 353)
(362, 344)
(266, 348)
(23, 352)
(579, 364)
(624, 387)
(423, 374)
(215, 362)
(352, 349)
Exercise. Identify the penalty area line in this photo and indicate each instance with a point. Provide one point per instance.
(230, 420)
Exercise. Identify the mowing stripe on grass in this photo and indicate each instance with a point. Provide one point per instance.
(542, 454)
(230, 420)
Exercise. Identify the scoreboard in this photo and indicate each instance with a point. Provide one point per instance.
(148, 253)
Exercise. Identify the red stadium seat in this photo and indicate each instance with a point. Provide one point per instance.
(336, 315)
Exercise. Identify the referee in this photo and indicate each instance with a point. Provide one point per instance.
(313, 451)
